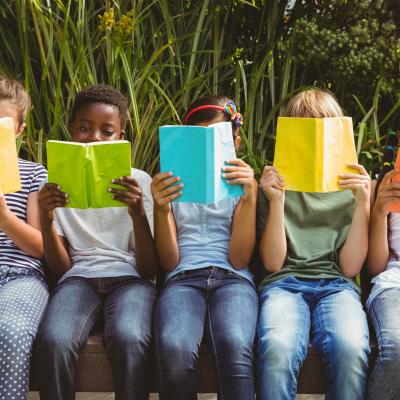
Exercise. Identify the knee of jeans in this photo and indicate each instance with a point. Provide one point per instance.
(128, 339)
(55, 341)
(350, 349)
(279, 349)
(235, 346)
(389, 350)
(176, 350)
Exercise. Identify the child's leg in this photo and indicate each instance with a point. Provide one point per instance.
(231, 329)
(128, 312)
(179, 320)
(340, 335)
(283, 334)
(384, 383)
(71, 314)
(23, 299)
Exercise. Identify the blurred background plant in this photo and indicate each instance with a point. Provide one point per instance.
(163, 54)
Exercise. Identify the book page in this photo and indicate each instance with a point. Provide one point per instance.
(66, 164)
(339, 151)
(224, 150)
(106, 161)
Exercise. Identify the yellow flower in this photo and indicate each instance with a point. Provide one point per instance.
(107, 20)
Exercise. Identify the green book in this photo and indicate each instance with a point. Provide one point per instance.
(85, 170)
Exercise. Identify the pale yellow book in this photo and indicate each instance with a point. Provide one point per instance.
(310, 153)
(9, 171)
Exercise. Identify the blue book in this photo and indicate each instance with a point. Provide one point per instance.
(197, 154)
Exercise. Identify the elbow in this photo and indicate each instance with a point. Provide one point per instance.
(58, 268)
(352, 270)
(36, 250)
(170, 264)
(149, 271)
(273, 265)
(38, 253)
(375, 267)
(240, 260)
(238, 263)
(350, 274)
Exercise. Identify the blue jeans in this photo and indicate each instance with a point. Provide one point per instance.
(75, 306)
(332, 310)
(224, 306)
(384, 311)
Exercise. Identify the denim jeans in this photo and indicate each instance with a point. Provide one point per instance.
(220, 304)
(75, 306)
(384, 383)
(332, 310)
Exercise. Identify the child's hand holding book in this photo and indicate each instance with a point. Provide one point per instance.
(359, 183)
(272, 184)
(165, 188)
(131, 195)
(388, 194)
(237, 172)
(50, 197)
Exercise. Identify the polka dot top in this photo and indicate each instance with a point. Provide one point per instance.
(32, 175)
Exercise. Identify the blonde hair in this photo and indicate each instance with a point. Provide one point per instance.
(313, 103)
(14, 92)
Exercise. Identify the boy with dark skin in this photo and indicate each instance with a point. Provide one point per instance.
(104, 258)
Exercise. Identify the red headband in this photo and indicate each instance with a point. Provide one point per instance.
(202, 108)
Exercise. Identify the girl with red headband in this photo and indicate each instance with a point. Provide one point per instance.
(204, 250)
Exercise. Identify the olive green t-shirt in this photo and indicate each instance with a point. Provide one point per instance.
(316, 226)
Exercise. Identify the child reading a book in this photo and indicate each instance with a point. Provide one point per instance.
(384, 265)
(204, 250)
(105, 258)
(23, 290)
(311, 246)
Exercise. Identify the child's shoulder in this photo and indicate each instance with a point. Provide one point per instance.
(142, 177)
(31, 171)
(30, 165)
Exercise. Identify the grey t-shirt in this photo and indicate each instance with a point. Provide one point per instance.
(101, 240)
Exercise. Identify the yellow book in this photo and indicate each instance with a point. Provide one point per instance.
(310, 153)
(9, 171)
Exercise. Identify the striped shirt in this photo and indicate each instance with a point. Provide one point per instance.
(31, 176)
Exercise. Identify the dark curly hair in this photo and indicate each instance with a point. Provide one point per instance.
(101, 94)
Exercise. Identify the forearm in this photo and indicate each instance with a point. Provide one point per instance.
(24, 236)
(354, 251)
(243, 233)
(273, 247)
(55, 254)
(378, 251)
(145, 249)
(166, 239)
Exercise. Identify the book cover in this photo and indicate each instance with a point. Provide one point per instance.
(10, 181)
(310, 153)
(197, 154)
(85, 170)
